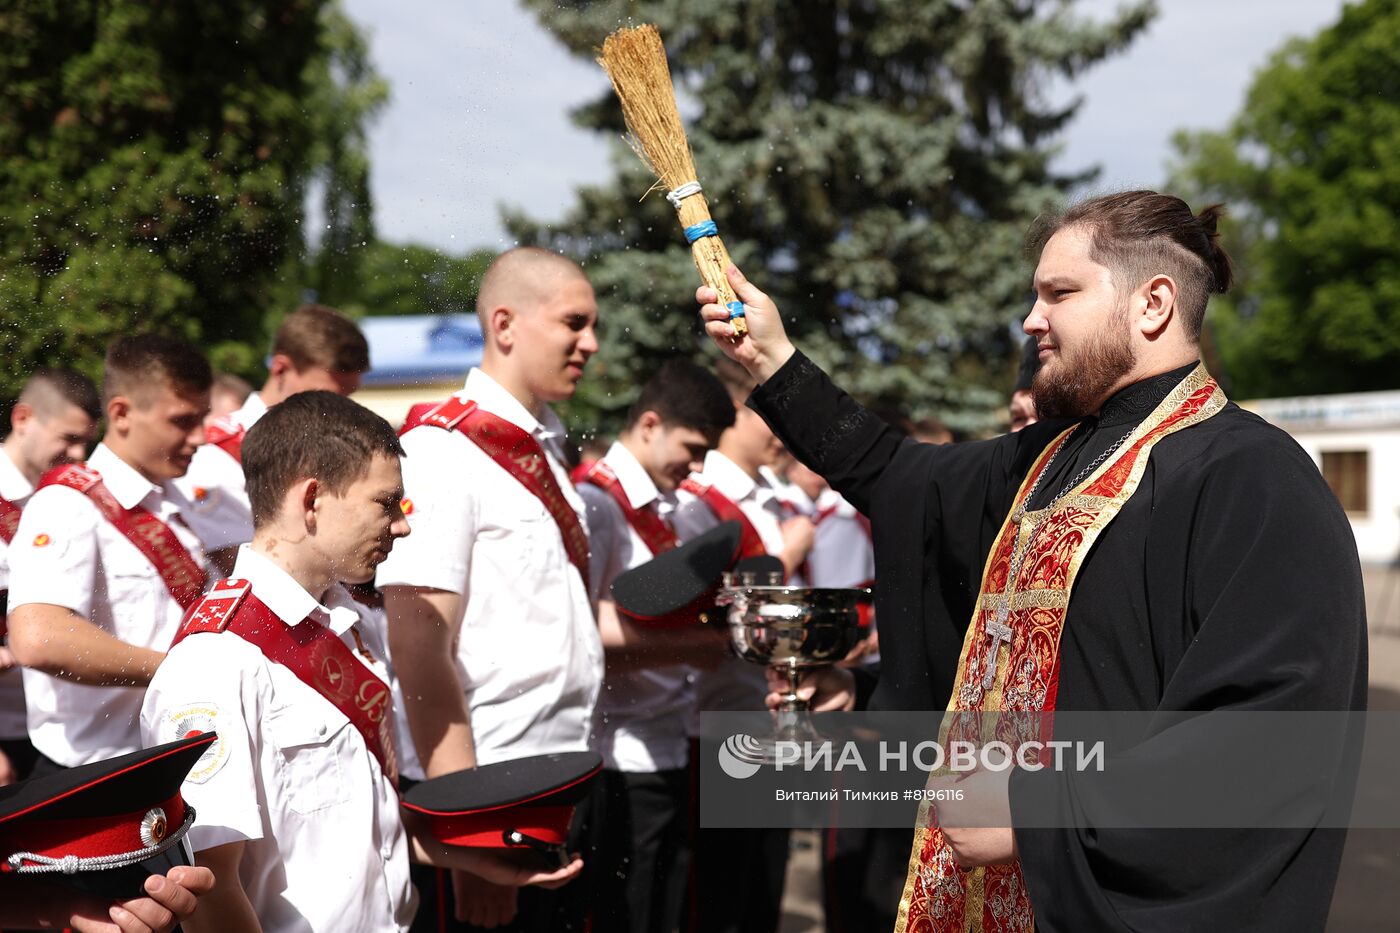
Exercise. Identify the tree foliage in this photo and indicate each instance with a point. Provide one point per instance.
(1310, 169)
(873, 164)
(154, 162)
(414, 279)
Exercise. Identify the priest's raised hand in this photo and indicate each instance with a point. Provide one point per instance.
(765, 348)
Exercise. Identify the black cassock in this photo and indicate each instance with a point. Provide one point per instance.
(1229, 580)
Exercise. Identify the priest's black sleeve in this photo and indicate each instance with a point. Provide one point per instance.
(1274, 592)
(827, 429)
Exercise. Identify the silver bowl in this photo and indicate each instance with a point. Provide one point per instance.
(790, 628)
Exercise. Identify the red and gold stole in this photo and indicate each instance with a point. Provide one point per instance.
(313, 653)
(1024, 661)
(726, 510)
(180, 572)
(520, 455)
(656, 533)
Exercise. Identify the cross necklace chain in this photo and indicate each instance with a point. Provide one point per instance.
(998, 631)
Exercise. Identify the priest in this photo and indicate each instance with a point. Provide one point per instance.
(1147, 546)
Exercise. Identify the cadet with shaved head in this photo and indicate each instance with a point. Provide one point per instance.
(490, 625)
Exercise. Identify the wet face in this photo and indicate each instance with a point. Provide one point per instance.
(160, 428)
(672, 452)
(357, 526)
(1081, 327)
(45, 441)
(554, 340)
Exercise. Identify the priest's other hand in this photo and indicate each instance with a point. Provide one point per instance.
(826, 689)
(974, 813)
(765, 348)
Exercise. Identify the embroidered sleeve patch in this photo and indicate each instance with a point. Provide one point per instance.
(196, 719)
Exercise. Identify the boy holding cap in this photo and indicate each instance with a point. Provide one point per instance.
(98, 848)
(281, 662)
(648, 692)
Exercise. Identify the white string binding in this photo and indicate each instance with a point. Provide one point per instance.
(681, 192)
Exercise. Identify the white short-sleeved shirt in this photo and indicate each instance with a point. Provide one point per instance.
(289, 775)
(15, 489)
(67, 554)
(528, 653)
(642, 714)
(216, 490)
(841, 554)
(735, 684)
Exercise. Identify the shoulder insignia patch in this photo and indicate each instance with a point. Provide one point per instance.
(196, 719)
(213, 613)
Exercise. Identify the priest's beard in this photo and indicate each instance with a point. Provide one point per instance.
(1075, 385)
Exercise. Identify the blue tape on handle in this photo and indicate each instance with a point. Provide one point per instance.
(701, 230)
(736, 309)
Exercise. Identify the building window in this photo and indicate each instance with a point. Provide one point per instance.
(1347, 472)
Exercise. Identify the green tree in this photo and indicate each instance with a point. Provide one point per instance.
(154, 161)
(346, 94)
(1310, 170)
(414, 279)
(874, 164)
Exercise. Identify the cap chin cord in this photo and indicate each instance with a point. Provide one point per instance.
(31, 863)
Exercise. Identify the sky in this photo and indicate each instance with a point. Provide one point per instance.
(481, 93)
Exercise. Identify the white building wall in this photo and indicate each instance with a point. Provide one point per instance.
(1378, 531)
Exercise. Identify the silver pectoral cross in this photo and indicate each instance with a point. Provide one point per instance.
(998, 632)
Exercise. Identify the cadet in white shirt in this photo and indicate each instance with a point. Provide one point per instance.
(490, 622)
(103, 565)
(52, 423)
(315, 347)
(648, 693)
(739, 873)
(299, 789)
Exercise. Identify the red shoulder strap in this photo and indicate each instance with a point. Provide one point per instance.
(519, 454)
(226, 436)
(310, 651)
(9, 520)
(446, 415)
(750, 543)
(183, 576)
(656, 533)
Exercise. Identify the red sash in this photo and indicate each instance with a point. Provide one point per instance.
(9, 520)
(226, 436)
(520, 455)
(750, 544)
(656, 533)
(151, 536)
(310, 651)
